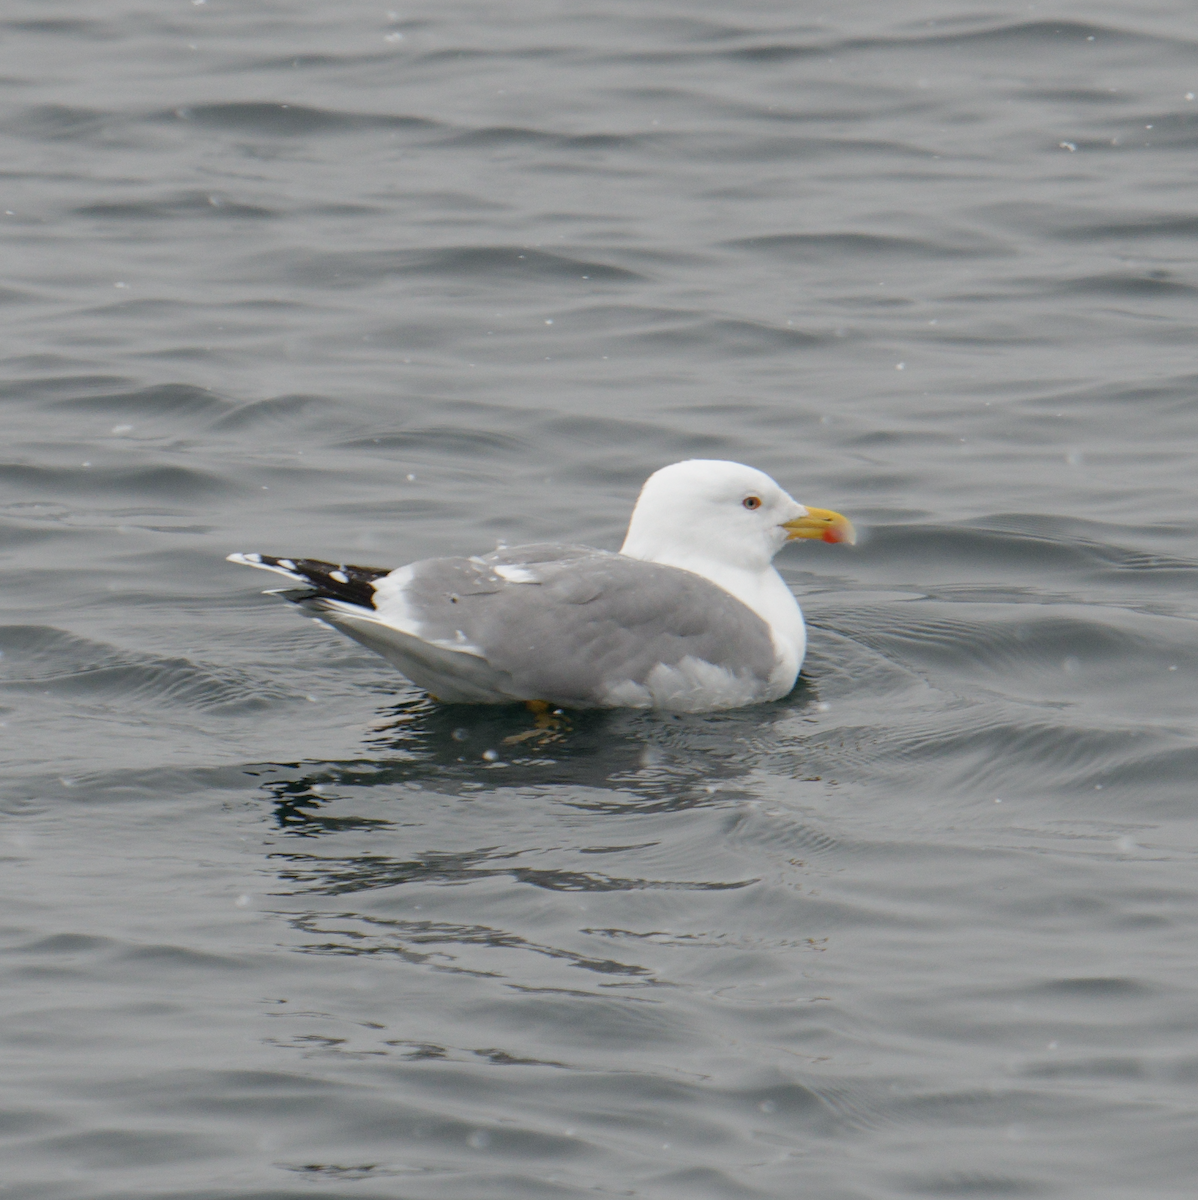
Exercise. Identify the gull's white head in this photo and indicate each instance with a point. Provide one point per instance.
(722, 513)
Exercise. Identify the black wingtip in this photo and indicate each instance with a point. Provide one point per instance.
(334, 581)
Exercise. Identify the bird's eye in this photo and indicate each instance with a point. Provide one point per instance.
(752, 502)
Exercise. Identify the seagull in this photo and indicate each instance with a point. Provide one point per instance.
(689, 616)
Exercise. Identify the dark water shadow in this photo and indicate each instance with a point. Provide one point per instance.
(597, 761)
(457, 795)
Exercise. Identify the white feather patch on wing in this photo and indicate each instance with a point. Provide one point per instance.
(391, 608)
(517, 574)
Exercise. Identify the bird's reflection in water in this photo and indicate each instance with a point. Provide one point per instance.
(599, 760)
(582, 809)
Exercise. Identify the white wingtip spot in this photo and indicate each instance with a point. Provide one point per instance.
(255, 560)
(339, 576)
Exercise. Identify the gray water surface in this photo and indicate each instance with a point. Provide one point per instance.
(372, 285)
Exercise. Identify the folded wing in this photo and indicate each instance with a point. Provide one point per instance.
(570, 625)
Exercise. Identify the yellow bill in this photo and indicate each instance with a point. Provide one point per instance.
(821, 523)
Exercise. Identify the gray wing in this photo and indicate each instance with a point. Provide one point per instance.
(566, 624)
(576, 626)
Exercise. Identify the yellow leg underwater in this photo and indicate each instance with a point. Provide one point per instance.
(549, 722)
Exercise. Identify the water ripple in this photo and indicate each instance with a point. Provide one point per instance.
(42, 661)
